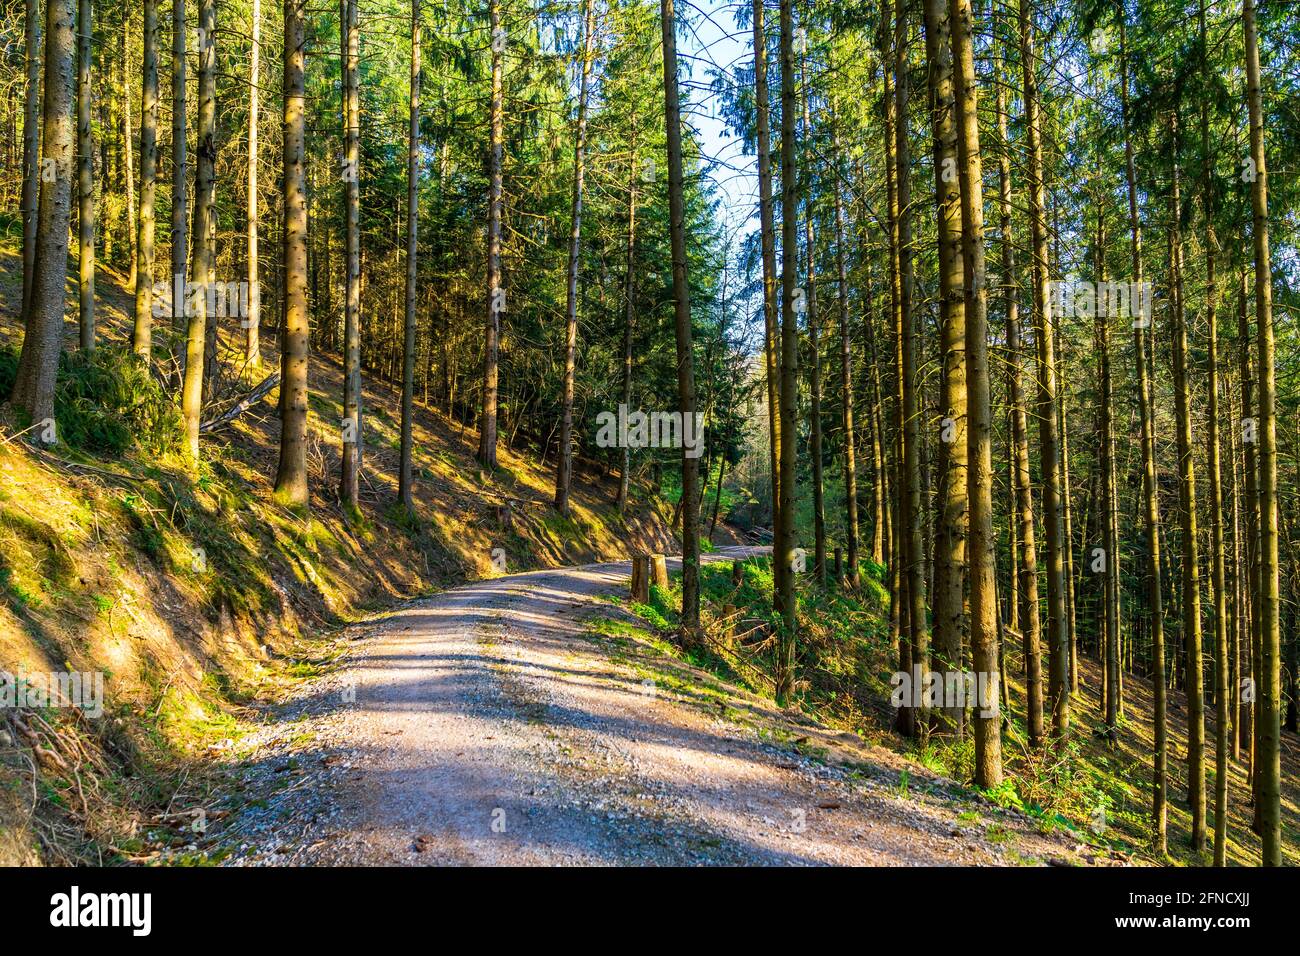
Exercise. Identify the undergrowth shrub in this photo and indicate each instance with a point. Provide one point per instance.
(106, 403)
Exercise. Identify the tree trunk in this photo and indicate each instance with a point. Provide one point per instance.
(405, 493)
(783, 552)
(1268, 797)
(204, 230)
(1191, 584)
(1025, 568)
(564, 469)
(180, 160)
(629, 319)
(983, 567)
(31, 145)
(350, 477)
(846, 379)
(128, 174)
(1058, 650)
(142, 332)
(291, 476)
(767, 242)
(1218, 596)
(690, 500)
(919, 637)
(1150, 501)
(253, 320)
(43, 339)
(949, 601)
(487, 438)
(814, 348)
(85, 179)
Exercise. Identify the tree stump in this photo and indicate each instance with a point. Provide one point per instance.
(839, 564)
(505, 515)
(737, 572)
(641, 578)
(659, 571)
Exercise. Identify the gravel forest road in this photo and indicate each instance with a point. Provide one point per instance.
(489, 725)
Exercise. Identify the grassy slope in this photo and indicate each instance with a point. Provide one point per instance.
(1099, 792)
(199, 598)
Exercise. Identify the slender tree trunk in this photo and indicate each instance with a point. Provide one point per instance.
(85, 178)
(487, 438)
(142, 332)
(405, 493)
(180, 200)
(31, 145)
(1150, 501)
(291, 476)
(690, 501)
(350, 478)
(1025, 569)
(949, 601)
(1191, 589)
(204, 230)
(128, 174)
(564, 470)
(1108, 513)
(901, 538)
(629, 319)
(1237, 620)
(783, 553)
(1218, 596)
(43, 339)
(846, 382)
(1057, 637)
(981, 548)
(767, 241)
(814, 350)
(1268, 797)
(912, 516)
(253, 320)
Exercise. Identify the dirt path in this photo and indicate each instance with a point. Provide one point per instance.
(488, 726)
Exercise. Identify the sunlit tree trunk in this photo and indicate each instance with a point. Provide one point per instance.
(142, 332)
(564, 469)
(353, 428)
(128, 173)
(979, 437)
(31, 143)
(487, 435)
(629, 318)
(1025, 566)
(767, 243)
(1268, 678)
(1191, 583)
(1218, 596)
(948, 598)
(196, 339)
(690, 501)
(918, 624)
(86, 208)
(846, 379)
(253, 320)
(43, 339)
(784, 545)
(291, 476)
(1150, 501)
(180, 186)
(405, 493)
(1057, 637)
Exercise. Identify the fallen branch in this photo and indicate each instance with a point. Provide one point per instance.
(243, 405)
